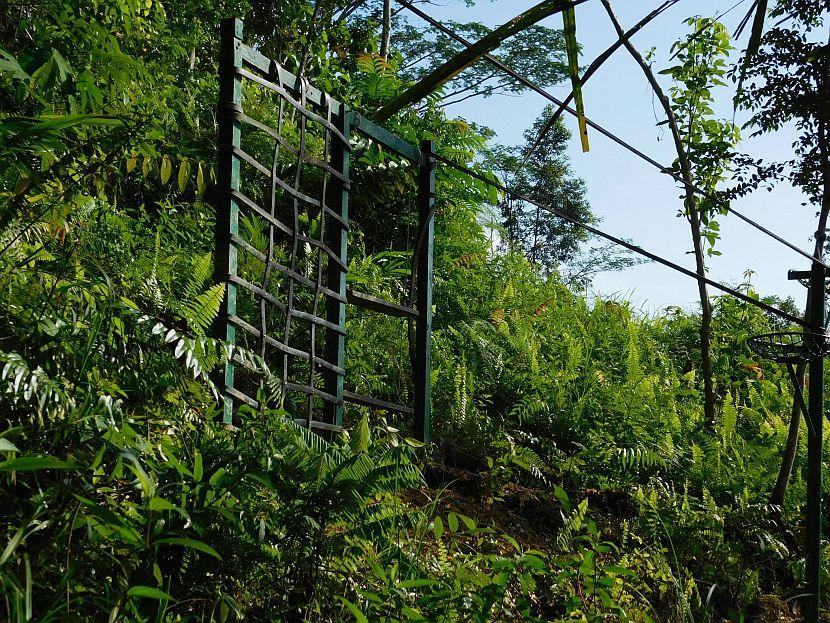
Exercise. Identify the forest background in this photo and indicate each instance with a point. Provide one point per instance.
(588, 461)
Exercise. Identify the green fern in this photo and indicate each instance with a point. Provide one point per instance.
(200, 307)
(200, 272)
(204, 309)
(572, 525)
(729, 419)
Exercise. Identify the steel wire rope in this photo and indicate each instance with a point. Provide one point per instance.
(623, 243)
(608, 134)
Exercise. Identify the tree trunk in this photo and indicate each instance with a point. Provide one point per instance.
(386, 33)
(694, 221)
(705, 314)
(790, 450)
(534, 249)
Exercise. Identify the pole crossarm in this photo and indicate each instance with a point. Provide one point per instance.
(607, 133)
(624, 243)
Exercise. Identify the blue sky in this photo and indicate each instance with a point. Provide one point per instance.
(632, 198)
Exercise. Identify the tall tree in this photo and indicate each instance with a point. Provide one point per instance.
(704, 149)
(386, 30)
(546, 177)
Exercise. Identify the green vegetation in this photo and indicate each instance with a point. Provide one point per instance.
(575, 473)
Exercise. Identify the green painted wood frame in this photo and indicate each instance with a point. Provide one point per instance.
(238, 61)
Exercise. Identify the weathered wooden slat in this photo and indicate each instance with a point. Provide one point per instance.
(387, 139)
(376, 403)
(373, 303)
(320, 425)
(314, 391)
(423, 276)
(228, 179)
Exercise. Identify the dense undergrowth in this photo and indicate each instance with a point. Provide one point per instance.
(572, 475)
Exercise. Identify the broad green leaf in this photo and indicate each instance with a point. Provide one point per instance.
(356, 613)
(452, 522)
(563, 498)
(148, 485)
(190, 543)
(34, 463)
(468, 521)
(166, 169)
(149, 592)
(729, 418)
(217, 476)
(200, 179)
(104, 514)
(57, 123)
(28, 567)
(99, 457)
(12, 545)
(360, 436)
(419, 583)
(413, 615)
(438, 527)
(261, 478)
(8, 63)
(184, 174)
(61, 65)
(160, 504)
(198, 470)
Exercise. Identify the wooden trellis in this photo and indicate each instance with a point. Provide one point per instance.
(299, 240)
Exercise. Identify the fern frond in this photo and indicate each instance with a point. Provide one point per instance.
(200, 272)
(201, 310)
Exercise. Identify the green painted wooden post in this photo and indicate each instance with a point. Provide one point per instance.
(227, 209)
(815, 437)
(424, 273)
(336, 279)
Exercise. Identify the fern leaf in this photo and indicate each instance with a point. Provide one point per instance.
(200, 311)
(200, 271)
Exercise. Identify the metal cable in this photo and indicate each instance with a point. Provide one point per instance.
(623, 243)
(608, 134)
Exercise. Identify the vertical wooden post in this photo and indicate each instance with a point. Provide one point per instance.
(815, 436)
(336, 277)
(424, 274)
(227, 209)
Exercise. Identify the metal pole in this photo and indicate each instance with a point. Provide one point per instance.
(423, 269)
(815, 416)
(336, 280)
(227, 180)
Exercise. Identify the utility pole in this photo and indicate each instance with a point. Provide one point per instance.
(815, 437)
(815, 345)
